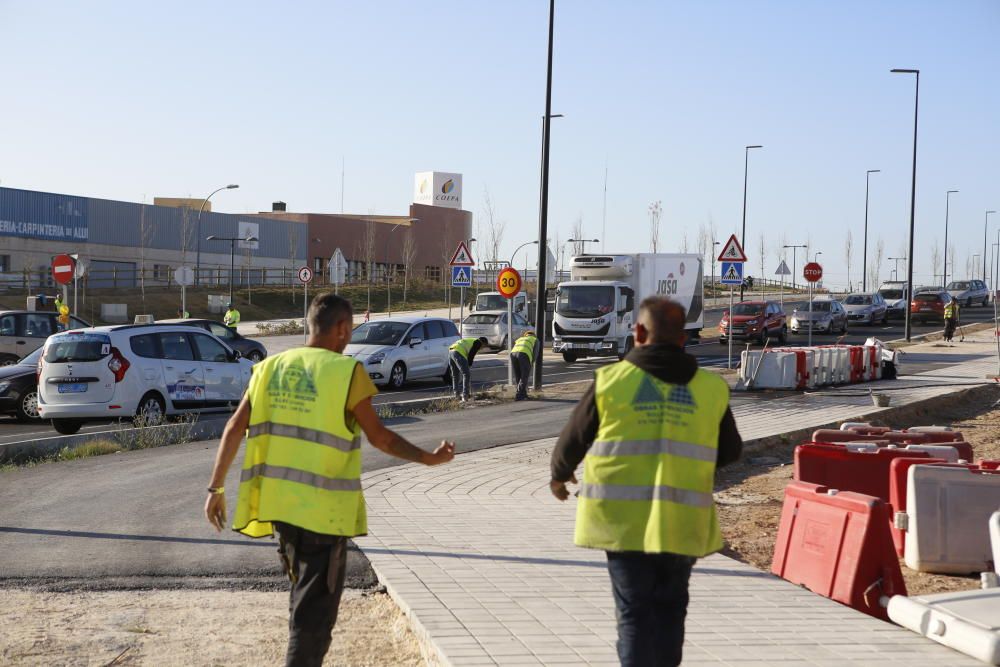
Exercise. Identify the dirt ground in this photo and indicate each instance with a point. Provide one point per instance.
(190, 627)
(752, 492)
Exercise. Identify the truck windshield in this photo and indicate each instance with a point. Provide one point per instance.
(891, 293)
(491, 302)
(585, 300)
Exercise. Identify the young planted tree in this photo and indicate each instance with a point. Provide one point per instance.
(409, 256)
(146, 230)
(367, 253)
(848, 253)
(578, 247)
(292, 230)
(879, 255)
(655, 213)
(495, 227)
(935, 260)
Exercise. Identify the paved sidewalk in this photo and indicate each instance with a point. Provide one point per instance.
(480, 556)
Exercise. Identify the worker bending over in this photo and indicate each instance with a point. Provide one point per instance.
(522, 357)
(460, 356)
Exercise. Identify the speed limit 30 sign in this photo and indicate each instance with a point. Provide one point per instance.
(509, 283)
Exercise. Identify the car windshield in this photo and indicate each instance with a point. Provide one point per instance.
(379, 333)
(32, 359)
(481, 319)
(491, 302)
(892, 293)
(820, 306)
(71, 347)
(960, 285)
(585, 300)
(858, 300)
(748, 309)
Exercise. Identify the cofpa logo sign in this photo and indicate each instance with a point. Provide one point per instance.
(436, 188)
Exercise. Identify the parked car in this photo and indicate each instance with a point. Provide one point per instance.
(398, 349)
(758, 320)
(929, 306)
(492, 325)
(19, 388)
(827, 316)
(866, 308)
(919, 289)
(24, 331)
(248, 347)
(968, 292)
(145, 372)
(896, 296)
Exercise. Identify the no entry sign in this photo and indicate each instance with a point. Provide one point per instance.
(62, 269)
(812, 272)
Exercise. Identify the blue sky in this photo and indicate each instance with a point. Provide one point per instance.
(129, 100)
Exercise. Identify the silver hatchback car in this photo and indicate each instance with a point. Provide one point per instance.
(866, 308)
(492, 325)
(969, 292)
(396, 349)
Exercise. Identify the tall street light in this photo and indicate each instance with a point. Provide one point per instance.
(543, 212)
(895, 270)
(232, 255)
(743, 235)
(947, 201)
(864, 253)
(197, 269)
(913, 197)
(986, 226)
(794, 252)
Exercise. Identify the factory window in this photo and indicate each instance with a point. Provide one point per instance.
(4, 263)
(432, 273)
(161, 272)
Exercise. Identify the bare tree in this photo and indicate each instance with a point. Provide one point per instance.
(763, 257)
(704, 244)
(951, 262)
(292, 231)
(935, 260)
(684, 240)
(848, 252)
(577, 233)
(874, 270)
(655, 213)
(366, 250)
(187, 232)
(146, 230)
(409, 256)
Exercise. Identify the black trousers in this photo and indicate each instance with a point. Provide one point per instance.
(316, 565)
(949, 327)
(651, 599)
(522, 374)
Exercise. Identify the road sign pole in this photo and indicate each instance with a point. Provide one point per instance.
(811, 323)
(461, 306)
(510, 343)
(305, 312)
(74, 291)
(184, 301)
(730, 341)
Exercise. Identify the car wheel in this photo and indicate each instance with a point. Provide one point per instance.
(7, 360)
(843, 327)
(986, 300)
(503, 343)
(397, 376)
(628, 348)
(151, 411)
(569, 357)
(255, 356)
(27, 407)
(783, 336)
(763, 336)
(968, 302)
(67, 426)
(885, 318)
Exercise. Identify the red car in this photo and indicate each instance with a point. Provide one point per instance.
(757, 320)
(929, 306)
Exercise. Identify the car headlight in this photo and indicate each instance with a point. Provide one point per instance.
(4, 386)
(751, 322)
(376, 358)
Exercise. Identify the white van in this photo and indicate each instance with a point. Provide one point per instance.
(136, 371)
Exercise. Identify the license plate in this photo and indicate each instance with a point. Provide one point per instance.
(73, 388)
(738, 329)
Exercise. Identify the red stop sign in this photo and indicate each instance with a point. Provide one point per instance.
(62, 269)
(812, 272)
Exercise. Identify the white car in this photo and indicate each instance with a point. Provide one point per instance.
(396, 349)
(492, 325)
(144, 372)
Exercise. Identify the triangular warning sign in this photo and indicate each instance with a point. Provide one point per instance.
(462, 256)
(782, 269)
(732, 251)
(732, 273)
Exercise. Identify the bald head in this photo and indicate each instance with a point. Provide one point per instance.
(660, 322)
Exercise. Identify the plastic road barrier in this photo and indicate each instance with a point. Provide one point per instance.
(966, 621)
(947, 513)
(833, 436)
(837, 544)
(865, 471)
(898, 470)
(995, 540)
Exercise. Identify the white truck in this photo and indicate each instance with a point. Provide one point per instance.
(595, 310)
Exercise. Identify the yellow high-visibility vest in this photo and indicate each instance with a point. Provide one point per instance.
(232, 317)
(648, 477)
(950, 310)
(303, 462)
(525, 345)
(463, 346)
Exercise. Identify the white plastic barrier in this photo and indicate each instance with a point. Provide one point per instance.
(768, 370)
(947, 514)
(873, 359)
(965, 621)
(995, 540)
(942, 451)
(929, 429)
(847, 426)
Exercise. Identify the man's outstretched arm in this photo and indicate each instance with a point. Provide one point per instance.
(394, 444)
(232, 436)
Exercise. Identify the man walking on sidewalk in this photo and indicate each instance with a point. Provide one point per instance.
(461, 353)
(303, 414)
(522, 356)
(651, 431)
(951, 316)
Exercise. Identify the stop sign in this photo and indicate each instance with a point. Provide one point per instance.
(812, 272)
(62, 269)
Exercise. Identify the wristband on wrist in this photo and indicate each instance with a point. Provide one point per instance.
(217, 490)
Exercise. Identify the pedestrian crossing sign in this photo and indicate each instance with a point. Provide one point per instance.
(732, 273)
(461, 276)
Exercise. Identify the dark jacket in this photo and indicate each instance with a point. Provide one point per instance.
(664, 362)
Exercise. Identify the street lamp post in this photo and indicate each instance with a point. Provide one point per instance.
(864, 252)
(197, 264)
(794, 252)
(895, 268)
(947, 201)
(232, 255)
(986, 226)
(714, 243)
(913, 198)
(743, 235)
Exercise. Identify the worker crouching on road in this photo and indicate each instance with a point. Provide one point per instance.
(232, 316)
(651, 432)
(951, 317)
(461, 353)
(303, 414)
(522, 356)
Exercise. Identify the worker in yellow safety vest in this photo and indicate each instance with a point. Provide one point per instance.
(522, 356)
(303, 414)
(232, 316)
(651, 432)
(951, 317)
(461, 353)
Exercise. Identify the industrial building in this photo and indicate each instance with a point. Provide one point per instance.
(120, 242)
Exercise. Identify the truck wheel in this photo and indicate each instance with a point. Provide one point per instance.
(569, 357)
(626, 350)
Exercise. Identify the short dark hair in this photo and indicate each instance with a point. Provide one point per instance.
(326, 311)
(663, 318)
